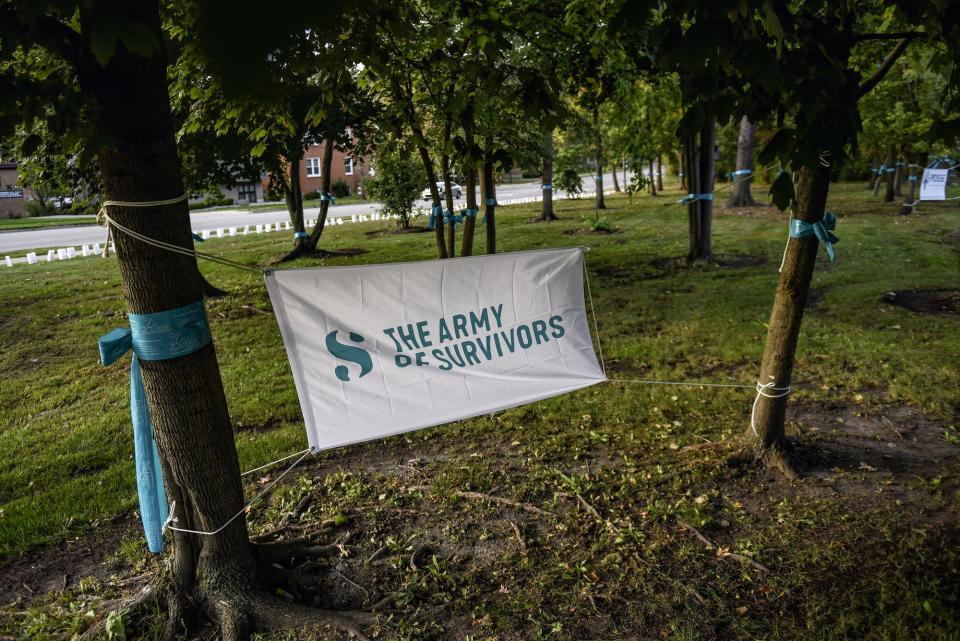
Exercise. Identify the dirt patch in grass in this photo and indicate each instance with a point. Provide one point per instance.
(86, 554)
(926, 301)
(724, 261)
(589, 231)
(398, 230)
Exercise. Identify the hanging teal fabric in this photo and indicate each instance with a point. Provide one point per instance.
(822, 229)
(153, 337)
(491, 202)
(452, 218)
(435, 214)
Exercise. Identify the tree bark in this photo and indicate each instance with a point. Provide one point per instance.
(546, 208)
(613, 172)
(326, 169)
(700, 210)
(187, 403)
(899, 178)
(659, 173)
(741, 196)
(684, 167)
(448, 198)
(783, 329)
(598, 148)
(490, 196)
(470, 167)
(653, 180)
(909, 204)
(887, 178)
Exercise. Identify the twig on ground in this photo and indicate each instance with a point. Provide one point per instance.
(589, 508)
(722, 553)
(502, 501)
(516, 531)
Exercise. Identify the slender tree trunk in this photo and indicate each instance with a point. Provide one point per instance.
(890, 194)
(741, 196)
(910, 203)
(700, 213)
(448, 198)
(490, 196)
(546, 208)
(623, 171)
(653, 181)
(783, 329)
(186, 398)
(326, 169)
(899, 178)
(684, 165)
(659, 172)
(692, 173)
(470, 168)
(598, 145)
(613, 172)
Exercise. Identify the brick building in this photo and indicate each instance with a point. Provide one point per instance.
(351, 170)
(12, 203)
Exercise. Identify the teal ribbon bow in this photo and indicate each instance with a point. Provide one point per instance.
(435, 213)
(153, 337)
(452, 218)
(822, 229)
(329, 197)
(198, 238)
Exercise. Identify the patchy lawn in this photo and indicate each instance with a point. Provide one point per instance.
(611, 513)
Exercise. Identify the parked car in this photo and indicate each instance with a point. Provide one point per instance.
(454, 187)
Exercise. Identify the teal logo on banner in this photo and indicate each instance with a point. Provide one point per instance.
(349, 353)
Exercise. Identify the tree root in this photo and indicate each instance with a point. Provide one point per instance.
(502, 501)
(287, 554)
(144, 599)
(779, 458)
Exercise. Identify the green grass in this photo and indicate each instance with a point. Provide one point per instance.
(854, 554)
(41, 221)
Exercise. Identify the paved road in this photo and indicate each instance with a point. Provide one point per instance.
(16, 243)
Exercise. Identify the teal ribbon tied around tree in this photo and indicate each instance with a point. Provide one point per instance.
(743, 172)
(452, 218)
(329, 197)
(547, 187)
(153, 337)
(689, 198)
(301, 234)
(913, 178)
(470, 212)
(822, 229)
(198, 238)
(435, 213)
(491, 202)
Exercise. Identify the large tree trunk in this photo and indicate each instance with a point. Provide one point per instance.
(490, 196)
(613, 172)
(187, 403)
(890, 193)
(741, 196)
(783, 328)
(546, 208)
(684, 167)
(700, 209)
(598, 149)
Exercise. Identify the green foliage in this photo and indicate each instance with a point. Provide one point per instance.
(339, 188)
(569, 181)
(398, 182)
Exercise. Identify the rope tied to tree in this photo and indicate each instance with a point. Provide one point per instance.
(689, 198)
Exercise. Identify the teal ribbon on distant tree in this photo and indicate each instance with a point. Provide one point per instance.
(743, 172)
(491, 202)
(452, 218)
(689, 198)
(822, 229)
(435, 213)
(912, 179)
(301, 234)
(471, 212)
(329, 197)
(153, 337)
(547, 186)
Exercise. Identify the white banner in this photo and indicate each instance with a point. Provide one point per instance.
(934, 184)
(383, 349)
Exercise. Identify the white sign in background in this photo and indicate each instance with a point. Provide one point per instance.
(934, 184)
(378, 350)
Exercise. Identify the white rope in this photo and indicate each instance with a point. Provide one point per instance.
(593, 312)
(279, 460)
(177, 249)
(765, 389)
(173, 519)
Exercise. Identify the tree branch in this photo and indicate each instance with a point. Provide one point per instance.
(884, 67)
(897, 35)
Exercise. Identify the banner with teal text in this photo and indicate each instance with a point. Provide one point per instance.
(377, 350)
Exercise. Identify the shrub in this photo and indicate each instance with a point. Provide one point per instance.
(570, 182)
(398, 182)
(340, 189)
(38, 208)
(312, 195)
